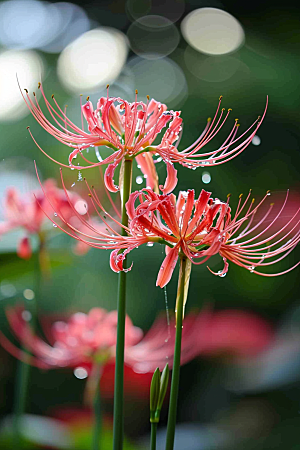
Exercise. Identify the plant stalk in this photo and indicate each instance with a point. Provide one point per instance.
(118, 427)
(97, 414)
(153, 436)
(176, 364)
(23, 369)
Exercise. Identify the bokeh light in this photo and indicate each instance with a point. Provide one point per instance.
(93, 60)
(29, 68)
(162, 79)
(256, 140)
(153, 37)
(206, 177)
(211, 68)
(212, 31)
(171, 9)
(34, 24)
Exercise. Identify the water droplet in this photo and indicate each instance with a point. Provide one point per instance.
(206, 178)
(256, 140)
(150, 244)
(72, 185)
(54, 225)
(80, 373)
(139, 179)
(222, 275)
(55, 214)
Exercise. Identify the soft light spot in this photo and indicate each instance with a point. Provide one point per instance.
(80, 373)
(29, 68)
(26, 315)
(7, 289)
(93, 60)
(28, 294)
(206, 178)
(212, 31)
(256, 140)
(139, 179)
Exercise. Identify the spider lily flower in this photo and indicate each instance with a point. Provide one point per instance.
(26, 211)
(130, 129)
(82, 340)
(204, 227)
(208, 333)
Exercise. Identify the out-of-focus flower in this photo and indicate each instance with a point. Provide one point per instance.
(82, 340)
(228, 333)
(130, 129)
(27, 211)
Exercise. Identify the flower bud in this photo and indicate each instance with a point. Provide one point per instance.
(154, 394)
(162, 391)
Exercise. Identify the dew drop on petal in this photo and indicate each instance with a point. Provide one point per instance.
(54, 225)
(150, 244)
(139, 179)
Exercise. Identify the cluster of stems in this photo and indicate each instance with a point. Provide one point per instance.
(118, 424)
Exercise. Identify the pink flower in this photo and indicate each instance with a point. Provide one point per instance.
(204, 227)
(27, 211)
(130, 129)
(80, 341)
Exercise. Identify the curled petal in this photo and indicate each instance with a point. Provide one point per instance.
(24, 250)
(116, 260)
(146, 162)
(171, 179)
(109, 176)
(167, 268)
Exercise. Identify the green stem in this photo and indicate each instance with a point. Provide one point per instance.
(97, 415)
(153, 436)
(23, 369)
(176, 363)
(119, 370)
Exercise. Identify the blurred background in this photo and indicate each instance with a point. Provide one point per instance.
(185, 53)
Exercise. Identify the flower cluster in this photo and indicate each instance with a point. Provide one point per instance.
(130, 129)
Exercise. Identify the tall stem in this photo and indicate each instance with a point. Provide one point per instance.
(97, 412)
(176, 363)
(153, 436)
(119, 370)
(23, 370)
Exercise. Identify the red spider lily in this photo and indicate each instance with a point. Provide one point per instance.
(209, 333)
(26, 211)
(130, 130)
(79, 341)
(204, 227)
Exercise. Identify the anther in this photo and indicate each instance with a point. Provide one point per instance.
(258, 117)
(253, 200)
(241, 195)
(272, 204)
(136, 91)
(93, 187)
(27, 128)
(236, 120)
(52, 96)
(238, 124)
(84, 179)
(228, 195)
(26, 90)
(148, 97)
(89, 195)
(268, 192)
(107, 86)
(229, 109)
(223, 109)
(88, 97)
(209, 119)
(34, 94)
(221, 96)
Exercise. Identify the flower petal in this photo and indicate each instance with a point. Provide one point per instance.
(24, 250)
(167, 268)
(171, 179)
(116, 260)
(109, 176)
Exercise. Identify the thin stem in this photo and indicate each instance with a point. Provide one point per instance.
(97, 415)
(153, 436)
(119, 370)
(23, 369)
(176, 363)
